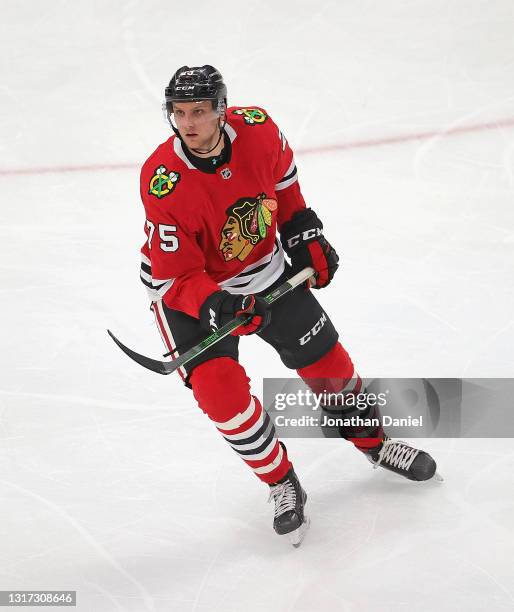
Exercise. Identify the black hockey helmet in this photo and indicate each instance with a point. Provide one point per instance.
(194, 84)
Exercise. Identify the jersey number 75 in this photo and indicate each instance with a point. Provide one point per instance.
(168, 240)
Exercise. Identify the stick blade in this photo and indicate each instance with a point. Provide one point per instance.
(147, 362)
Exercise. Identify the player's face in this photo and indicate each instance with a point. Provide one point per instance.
(197, 123)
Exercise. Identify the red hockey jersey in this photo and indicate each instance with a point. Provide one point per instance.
(212, 230)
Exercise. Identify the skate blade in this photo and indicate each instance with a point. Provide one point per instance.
(438, 477)
(296, 536)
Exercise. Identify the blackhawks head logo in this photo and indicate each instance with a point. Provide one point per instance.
(247, 224)
(163, 182)
(252, 116)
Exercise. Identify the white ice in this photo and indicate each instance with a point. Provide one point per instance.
(112, 482)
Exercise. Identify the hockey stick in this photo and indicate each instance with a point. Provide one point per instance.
(167, 367)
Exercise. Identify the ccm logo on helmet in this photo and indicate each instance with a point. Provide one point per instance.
(184, 87)
(312, 332)
(306, 235)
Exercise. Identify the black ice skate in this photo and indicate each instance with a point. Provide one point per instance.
(290, 500)
(403, 459)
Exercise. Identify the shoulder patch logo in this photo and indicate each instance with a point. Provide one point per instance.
(163, 182)
(252, 116)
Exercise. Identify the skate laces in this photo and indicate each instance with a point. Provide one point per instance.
(284, 495)
(397, 454)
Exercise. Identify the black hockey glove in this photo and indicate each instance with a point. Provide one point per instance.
(303, 240)
(221, 307)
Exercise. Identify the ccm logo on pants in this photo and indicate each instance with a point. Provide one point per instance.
(314, 330)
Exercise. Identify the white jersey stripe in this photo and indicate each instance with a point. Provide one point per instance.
(155, 281)
(156, 295)
(259, 262)
(146, 276)
(177, 147)
(165, 331)
(231, 132)
(260, 280)
(284, 184)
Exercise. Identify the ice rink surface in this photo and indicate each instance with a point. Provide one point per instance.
(112, 481)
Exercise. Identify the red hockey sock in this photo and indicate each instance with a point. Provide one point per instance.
(335, 373)
(222, 391)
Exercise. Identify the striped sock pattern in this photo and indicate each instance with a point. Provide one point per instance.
(251, 434)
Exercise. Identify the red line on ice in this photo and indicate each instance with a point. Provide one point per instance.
(320, 149)
(377, 142)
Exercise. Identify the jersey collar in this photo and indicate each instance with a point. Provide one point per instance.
(205, 163)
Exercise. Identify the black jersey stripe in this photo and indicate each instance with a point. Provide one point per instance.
(146, 268)
(152, 286)
(240, 285)
(290, 175)
(258, 268)
(254, 271)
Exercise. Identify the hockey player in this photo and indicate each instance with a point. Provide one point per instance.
(215, 195)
